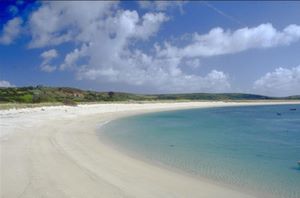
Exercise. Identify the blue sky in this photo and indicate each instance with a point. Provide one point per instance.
(152, 47)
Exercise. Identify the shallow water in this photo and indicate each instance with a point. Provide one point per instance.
(252, 148)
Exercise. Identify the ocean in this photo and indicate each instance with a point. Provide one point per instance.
(251, 148)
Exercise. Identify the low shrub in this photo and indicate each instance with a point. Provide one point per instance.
(69, 102)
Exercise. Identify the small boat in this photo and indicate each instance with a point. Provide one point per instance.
(279, 114)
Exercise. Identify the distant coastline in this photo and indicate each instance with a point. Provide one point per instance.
(20, 97)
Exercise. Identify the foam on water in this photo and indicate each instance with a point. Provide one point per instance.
(253, 148)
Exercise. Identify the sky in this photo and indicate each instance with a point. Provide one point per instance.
(152, 46)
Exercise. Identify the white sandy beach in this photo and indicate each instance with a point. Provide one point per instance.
(55, 152)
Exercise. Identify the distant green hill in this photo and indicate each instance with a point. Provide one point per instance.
(213, 96)
(71, 96)
(62, 94)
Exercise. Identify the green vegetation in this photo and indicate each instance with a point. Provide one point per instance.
(64, 95)
(210, 96)
(72, 96)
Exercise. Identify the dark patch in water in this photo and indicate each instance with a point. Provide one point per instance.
(259, 155)
(296, 168)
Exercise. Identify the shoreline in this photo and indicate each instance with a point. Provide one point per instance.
(56, 152)
(135, 155)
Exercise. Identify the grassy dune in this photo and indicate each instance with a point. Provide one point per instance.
(44, 96)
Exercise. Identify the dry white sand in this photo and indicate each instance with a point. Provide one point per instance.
(55, 152)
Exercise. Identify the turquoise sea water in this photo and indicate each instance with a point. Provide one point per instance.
(255, 148)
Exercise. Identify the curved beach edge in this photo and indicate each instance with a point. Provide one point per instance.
(55, 152)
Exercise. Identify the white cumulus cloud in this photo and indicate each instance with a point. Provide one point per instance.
(58, 22)
(281, 82)
(11, 31)
(105, 37)
(4, 83)
(48, 56)
(108, 45)
(219, 41)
